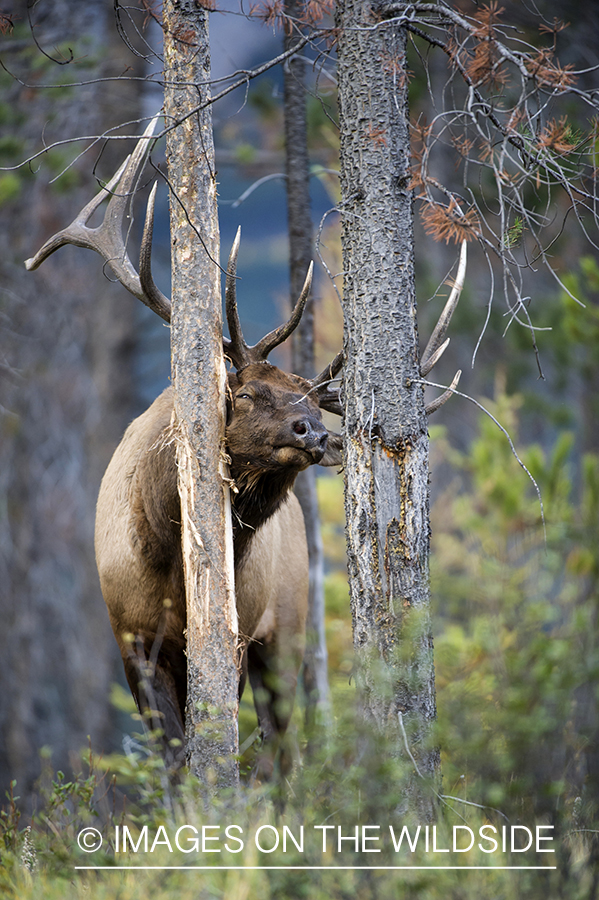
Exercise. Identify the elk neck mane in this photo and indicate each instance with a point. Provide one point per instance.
(258, 494)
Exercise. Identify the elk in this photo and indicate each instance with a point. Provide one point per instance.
(274, 430)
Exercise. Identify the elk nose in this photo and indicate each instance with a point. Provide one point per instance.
(313, 436)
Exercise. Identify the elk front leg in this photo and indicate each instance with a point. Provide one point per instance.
(158, 683)
(273, 668)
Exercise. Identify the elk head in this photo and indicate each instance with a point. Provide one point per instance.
(275, 413)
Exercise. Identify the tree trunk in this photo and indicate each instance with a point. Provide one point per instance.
(65, 398)
(315, 675)
(199, 378)
(385, 423)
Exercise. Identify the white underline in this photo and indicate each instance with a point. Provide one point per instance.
(304, 868)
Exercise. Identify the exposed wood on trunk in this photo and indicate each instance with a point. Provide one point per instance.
(385, 424)
(315, 675)
(198, 374)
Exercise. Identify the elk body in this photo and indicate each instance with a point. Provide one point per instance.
(274, 430)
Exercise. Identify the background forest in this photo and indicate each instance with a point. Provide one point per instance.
(514, 583)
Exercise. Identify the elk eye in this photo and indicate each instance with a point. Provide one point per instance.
(243, 397)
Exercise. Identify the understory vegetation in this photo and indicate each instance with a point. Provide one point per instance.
(517, 661)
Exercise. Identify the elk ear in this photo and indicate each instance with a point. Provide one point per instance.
(333, 455)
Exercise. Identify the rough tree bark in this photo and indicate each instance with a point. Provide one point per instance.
(199, 378)
(66, 396)
(385, 423)
(315, 675)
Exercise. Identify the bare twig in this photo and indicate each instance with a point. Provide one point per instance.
(506, 433)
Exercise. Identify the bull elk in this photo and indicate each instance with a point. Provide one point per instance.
(274, 430)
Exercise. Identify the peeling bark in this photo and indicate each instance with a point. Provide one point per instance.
(385, 422)
(199, 378)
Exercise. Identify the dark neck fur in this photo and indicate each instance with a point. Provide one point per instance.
(260, 493)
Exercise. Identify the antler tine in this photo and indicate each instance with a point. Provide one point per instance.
(436, 346)
(107, 238)
(76, 233)
(329, 372)
(434, 358)
(236, 349)
(261, 350)
(444, 397)
(328, 397)
(330, 401)
(153, 297)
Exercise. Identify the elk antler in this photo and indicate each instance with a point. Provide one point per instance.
(240, 353)
(328, 397)
(107, 238)
(437, 345)
(156, 298)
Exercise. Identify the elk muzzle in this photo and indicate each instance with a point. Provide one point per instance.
(309, 434)
(300, 442)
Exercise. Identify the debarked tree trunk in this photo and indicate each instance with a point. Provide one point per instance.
(199, 379)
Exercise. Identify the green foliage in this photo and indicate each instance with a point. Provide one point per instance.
(517, 660)
(580, 323)
(245, 153)
(10, 187)
(59, 166)
(568, 346)
(10, 148)
(513, 235)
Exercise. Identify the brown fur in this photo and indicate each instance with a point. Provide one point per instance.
(274, 430)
